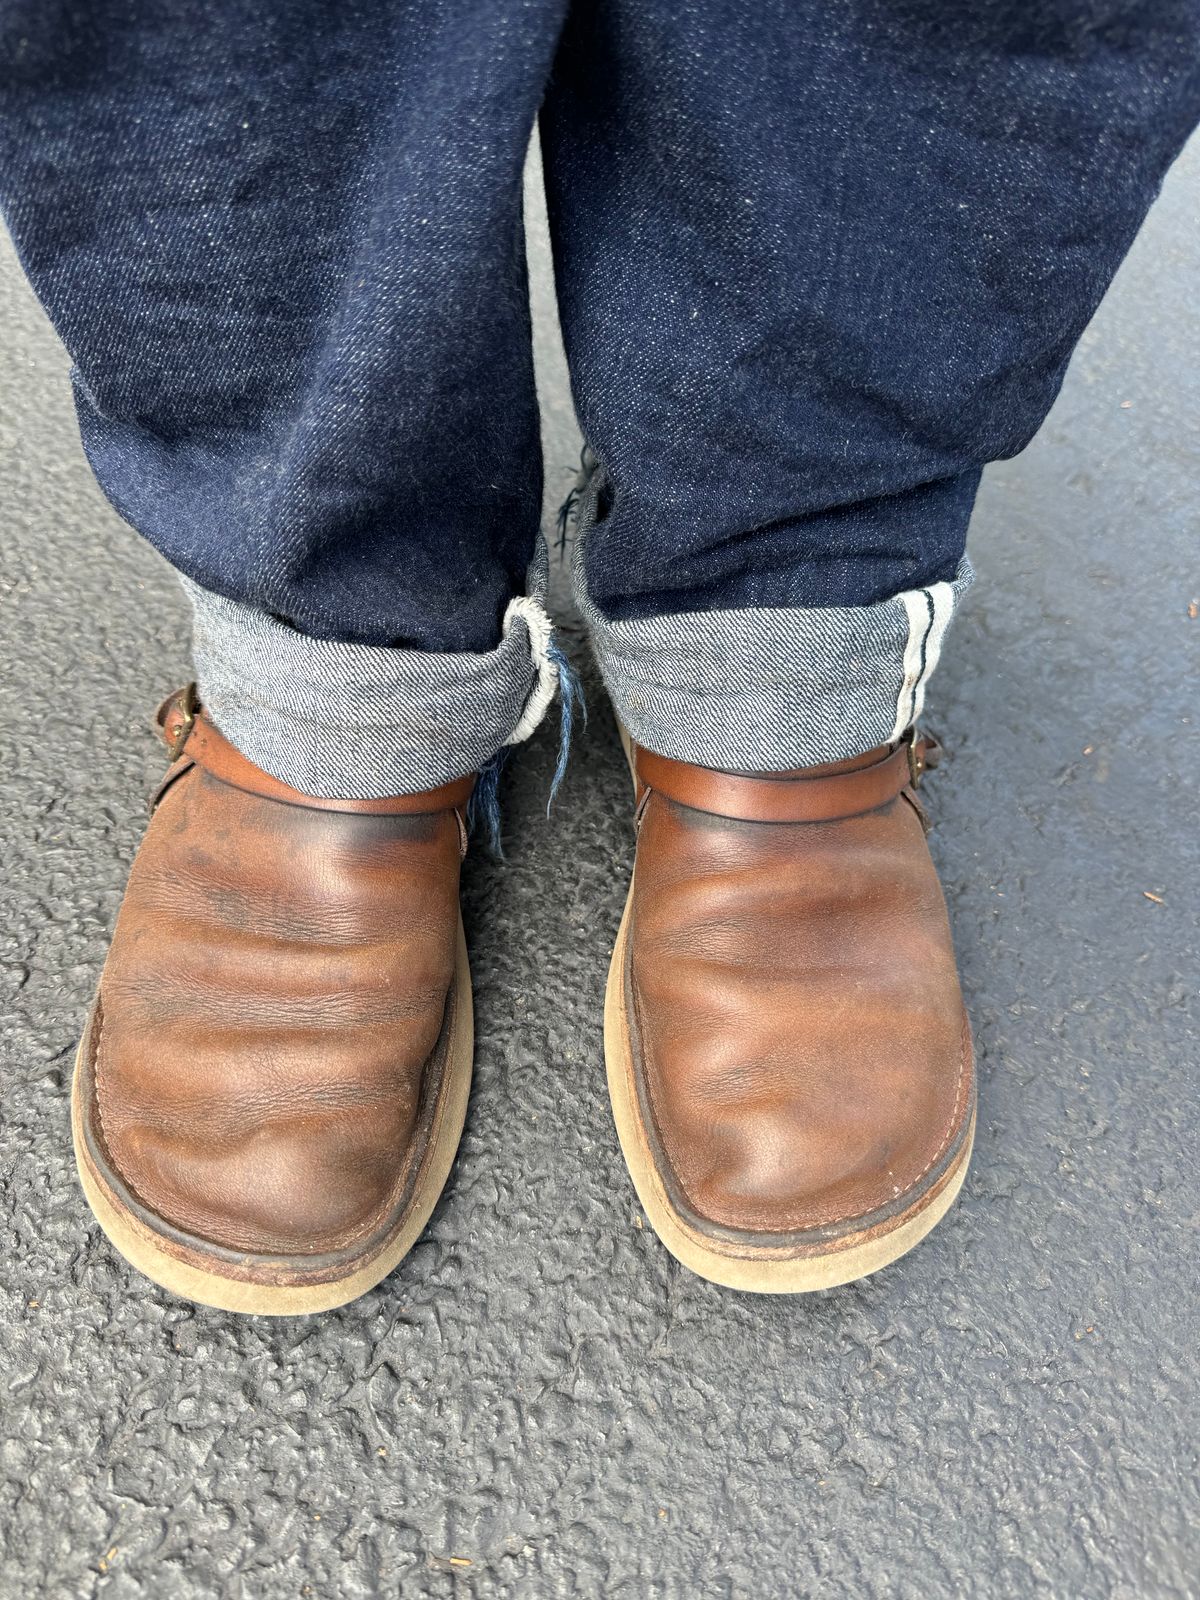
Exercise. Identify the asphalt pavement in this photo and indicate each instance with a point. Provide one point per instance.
(540, 1402)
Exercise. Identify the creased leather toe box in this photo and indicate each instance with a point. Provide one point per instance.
(804, 1057)
(272, 1002)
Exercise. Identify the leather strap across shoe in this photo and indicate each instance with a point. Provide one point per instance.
(788, 1054)
(807, 794)
(274, 1076)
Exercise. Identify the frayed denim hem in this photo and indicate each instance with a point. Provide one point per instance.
(484, 812)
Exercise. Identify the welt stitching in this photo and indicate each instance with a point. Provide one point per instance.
(99, 1025)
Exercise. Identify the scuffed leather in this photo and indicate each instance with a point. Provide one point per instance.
(801, 1032)
(277, 981)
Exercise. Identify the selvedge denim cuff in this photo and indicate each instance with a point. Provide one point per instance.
(351, 721)
(764, 689)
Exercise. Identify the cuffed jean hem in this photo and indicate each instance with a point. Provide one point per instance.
(350, 721)
(764, 689)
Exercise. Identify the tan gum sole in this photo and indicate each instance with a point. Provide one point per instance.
(758, 1270)
(142, 1248)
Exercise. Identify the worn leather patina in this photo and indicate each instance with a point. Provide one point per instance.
(800, 1047)
(266, 1053)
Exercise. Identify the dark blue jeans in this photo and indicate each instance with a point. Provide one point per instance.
(818, 261)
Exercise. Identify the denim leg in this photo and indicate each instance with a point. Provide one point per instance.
(283, 246)
(818, 262)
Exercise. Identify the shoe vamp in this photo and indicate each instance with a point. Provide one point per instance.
(798, 1013)
(276, 984)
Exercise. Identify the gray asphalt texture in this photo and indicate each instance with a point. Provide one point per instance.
(540, 1402)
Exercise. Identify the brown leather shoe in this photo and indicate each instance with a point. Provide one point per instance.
(274, 1076)
(788, 1054)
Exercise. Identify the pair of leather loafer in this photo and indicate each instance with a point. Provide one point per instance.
(275, 1072)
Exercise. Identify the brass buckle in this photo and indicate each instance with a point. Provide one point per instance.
(916, 759)
(187, 705)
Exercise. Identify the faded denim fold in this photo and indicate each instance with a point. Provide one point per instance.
(363, 721)
(764, 689)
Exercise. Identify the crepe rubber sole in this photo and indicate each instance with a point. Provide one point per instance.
(147, 1250)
